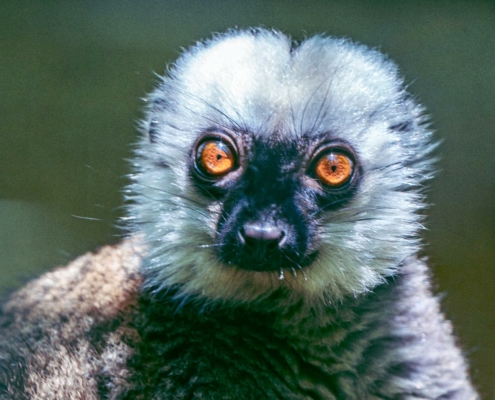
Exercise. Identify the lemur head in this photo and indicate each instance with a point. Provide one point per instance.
(269, 167)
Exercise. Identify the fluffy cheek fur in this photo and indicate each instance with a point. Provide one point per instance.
(179, 228)
(324, 86)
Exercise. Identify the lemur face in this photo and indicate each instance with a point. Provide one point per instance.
(272, 190)
(268, 168)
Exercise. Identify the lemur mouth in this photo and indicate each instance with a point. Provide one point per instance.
(280, 264)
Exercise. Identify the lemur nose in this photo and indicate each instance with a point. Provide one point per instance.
(262, 237)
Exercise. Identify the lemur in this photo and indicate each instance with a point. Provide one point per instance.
(273, 218)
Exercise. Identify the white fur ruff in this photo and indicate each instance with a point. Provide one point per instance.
(259, 82)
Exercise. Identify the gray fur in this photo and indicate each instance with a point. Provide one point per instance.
(161, 317)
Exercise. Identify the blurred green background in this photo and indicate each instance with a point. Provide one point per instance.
(72, 75)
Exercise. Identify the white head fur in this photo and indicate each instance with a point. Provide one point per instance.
(257, 81)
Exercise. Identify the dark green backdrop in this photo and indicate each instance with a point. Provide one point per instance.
(72, 75)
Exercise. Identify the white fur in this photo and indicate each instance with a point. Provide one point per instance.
(254, 82)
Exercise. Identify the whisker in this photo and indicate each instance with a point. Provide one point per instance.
(308, 102)
(209, 105)
(169, 193)
(322, 104)
(86, 218)
(210, 245)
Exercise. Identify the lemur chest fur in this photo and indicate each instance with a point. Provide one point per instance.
(295, 352)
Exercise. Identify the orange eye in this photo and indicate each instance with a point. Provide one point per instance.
(215, 158)
(334, 169)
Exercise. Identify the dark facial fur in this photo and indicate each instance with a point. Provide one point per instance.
(271, 201)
